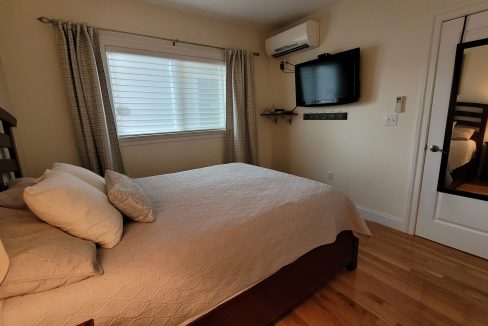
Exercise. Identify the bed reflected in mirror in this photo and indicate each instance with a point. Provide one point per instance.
(465, 151)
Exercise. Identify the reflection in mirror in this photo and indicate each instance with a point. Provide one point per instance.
(465, 162)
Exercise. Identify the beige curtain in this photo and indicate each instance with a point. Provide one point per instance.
(91, 108)
(240, 129)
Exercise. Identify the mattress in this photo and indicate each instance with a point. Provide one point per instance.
(219, 231)
(461, 152)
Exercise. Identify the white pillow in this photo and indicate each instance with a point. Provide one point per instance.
(86, 175)
(462, 133)
(76, 207)
(4, 262)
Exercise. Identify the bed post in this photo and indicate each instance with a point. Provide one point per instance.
(354, 262)
(8, 163)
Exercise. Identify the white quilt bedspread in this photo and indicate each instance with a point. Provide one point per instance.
(460, 153)
(219, 230)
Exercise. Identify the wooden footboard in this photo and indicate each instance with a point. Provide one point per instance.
(268, 300)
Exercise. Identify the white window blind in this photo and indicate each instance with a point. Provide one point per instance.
(156, 93)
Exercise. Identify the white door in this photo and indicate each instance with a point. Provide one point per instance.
(453, 220)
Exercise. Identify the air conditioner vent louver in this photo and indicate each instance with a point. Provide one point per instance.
(290, 50)
(303, 36)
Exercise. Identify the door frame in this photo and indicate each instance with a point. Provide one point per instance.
(423, 118)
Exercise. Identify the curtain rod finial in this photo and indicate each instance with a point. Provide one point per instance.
(44, 20)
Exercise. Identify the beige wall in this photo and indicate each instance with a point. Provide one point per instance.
(474, 78)
(371, 163)
(5, 101)
(33, 75)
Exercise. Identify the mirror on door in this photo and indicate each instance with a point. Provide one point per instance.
(464, 166)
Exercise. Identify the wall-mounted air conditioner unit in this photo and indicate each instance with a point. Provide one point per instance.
(303, 36)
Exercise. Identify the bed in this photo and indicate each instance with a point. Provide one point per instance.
(462, 154)
(232, 244)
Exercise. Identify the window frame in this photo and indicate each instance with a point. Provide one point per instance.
(144, 45)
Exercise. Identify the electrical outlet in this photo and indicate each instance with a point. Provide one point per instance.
(391, 119)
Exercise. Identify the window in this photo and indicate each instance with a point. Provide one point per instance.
(160, 91)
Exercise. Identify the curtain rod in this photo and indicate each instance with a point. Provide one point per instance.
(46, 20)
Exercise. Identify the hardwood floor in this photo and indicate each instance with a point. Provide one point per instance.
(401, 280)
(475, 188)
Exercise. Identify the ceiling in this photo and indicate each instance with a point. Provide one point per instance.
(265, 13)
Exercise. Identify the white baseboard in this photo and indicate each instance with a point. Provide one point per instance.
(391, 221)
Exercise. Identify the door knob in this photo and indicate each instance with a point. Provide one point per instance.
(435, 149)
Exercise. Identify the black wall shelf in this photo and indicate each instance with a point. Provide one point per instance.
(276, 115)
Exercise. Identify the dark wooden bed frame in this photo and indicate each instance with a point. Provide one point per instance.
(9, 162)
(264, 302)
(291, 285)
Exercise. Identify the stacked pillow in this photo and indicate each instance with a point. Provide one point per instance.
(122, 191)
(73, 204)
(34, 256)
(37, 256)
(75, 200)
(88, 176)
(13, 196)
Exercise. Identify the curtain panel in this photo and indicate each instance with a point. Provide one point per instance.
(240, 129)
(88, 97)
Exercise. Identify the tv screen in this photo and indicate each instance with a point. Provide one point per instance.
(328, 80)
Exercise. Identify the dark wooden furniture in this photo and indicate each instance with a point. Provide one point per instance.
(9, 161)
(264, 302)
(403, 280)
(477, 120)
(90, 322)
(268, 300)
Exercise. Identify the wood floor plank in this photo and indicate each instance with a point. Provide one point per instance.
(401, 280)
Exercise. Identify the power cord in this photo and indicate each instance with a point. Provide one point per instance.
(283, 67)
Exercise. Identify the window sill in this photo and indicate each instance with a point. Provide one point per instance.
(170, 137)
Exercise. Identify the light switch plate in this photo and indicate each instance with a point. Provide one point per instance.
(391, 119)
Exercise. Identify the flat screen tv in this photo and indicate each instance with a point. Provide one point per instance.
(328, 80)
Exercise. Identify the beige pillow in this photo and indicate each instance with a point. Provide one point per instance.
(4, 262)
(42, 257)
(76, 207)
(128, 197)
(86, 175)
(21, 182)
(12, 197)
(462, 133)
